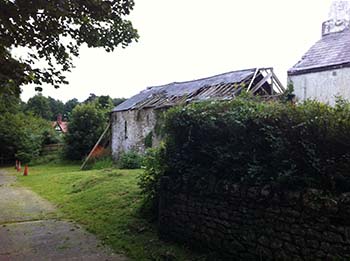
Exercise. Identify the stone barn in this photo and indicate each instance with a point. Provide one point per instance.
(323, 73)
(134, 121)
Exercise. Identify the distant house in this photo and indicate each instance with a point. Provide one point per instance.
(59, 125)
(133, 121)
(323, 73)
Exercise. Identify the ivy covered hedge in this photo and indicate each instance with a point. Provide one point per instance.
(255, 142)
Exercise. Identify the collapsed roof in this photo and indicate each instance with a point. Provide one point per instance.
(331, 52)
(260, 81)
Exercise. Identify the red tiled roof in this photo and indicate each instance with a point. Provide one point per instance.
(63, 125)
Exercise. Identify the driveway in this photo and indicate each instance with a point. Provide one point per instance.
(29, 230)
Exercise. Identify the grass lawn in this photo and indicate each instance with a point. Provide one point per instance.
(106, 203)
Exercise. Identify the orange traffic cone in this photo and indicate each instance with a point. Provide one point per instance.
(19, 166)
(25, 170)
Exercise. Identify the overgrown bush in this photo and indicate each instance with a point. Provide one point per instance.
(149, 140)
(130, 160)
(253, 142)
(21, 136)
(149, 179)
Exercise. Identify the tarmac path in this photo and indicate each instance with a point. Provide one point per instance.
(28, 230)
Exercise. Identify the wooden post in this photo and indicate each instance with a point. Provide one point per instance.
(93, 149)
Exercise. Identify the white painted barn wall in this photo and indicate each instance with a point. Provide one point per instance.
(322, 86)
(139, 124)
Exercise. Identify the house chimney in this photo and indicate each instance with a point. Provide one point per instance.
(59, 118)
(339, 17)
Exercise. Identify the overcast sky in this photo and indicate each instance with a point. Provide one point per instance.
(184, 40)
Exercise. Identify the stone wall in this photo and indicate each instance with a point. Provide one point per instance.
(256, 223)
(129, 129)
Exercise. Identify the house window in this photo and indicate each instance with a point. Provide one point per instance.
(125, 130)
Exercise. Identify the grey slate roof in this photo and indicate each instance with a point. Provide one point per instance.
(332, 51)
(222, 85)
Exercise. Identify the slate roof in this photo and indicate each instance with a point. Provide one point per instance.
(332, 51)
(220, 86)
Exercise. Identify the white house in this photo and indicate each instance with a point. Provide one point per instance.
(323, 73)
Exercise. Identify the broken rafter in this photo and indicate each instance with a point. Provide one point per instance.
(252, 81)
(261, 83)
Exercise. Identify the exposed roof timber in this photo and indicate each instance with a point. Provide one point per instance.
(278, 83)
(275, 83)
(252, 81)
(260, 81)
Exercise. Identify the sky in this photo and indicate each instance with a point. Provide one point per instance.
(183, 40)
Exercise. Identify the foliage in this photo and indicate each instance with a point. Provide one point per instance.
(39, 105)
(105, 102)
(9, 103)
(160, 120)
(117, 101)
(51, 136)
(288, 95)
(155, 168)
(106, 202)
(56, 108)
(21, 135)
(130, 160)
(51, 158)
(51, 32)
(92, 97)
(103, 163)
(149, 140)
(86, 126)
(69, 106)
(251, 142)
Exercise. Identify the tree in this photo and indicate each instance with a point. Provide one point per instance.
(21, 135)
(105, 102)
(39, 105)
(9, 103)
(92, 97)
(56, 107)
(69, 106)
(117, 101)
(86, 125)
(53, 31)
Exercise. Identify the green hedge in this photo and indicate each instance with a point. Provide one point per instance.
(255, 142)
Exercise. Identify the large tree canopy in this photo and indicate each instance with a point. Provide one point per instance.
(52, 31)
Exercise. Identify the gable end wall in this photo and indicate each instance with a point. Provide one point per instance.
(139, 124)
(322, 86)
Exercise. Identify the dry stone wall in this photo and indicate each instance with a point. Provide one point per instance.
(256, 223)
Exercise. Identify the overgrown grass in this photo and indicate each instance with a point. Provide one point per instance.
(107, 203)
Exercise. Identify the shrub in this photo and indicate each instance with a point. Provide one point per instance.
(130, 160)
(255, 143)
(154, 170)
(21, 135)
(149, 140)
